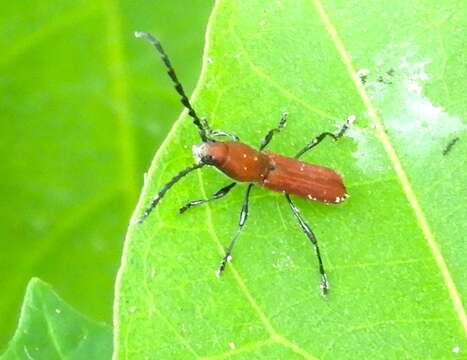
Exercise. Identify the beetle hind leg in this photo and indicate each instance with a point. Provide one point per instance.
(325, 134)
(267, 139)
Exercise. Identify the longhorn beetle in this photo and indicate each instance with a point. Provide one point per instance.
(242, 163)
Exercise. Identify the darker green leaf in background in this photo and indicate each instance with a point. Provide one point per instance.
(50, 329)
(82, 110)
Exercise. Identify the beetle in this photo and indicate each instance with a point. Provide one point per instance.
(244, 164)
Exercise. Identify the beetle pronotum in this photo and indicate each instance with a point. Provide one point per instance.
(242, 163)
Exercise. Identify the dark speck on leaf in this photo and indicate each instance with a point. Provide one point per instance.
(450, 145)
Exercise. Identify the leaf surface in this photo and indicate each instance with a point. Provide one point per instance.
(51, 329)
(394, 252)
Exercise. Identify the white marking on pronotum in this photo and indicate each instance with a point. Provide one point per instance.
(244, 156)
(232, 345)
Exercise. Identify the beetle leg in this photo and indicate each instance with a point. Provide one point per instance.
(267, 139)
(323, 135)
(243, 217)
(212, 134)
(217, 195)
(218, 133)
(324, 285)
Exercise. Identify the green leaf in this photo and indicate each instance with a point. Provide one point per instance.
(81, 117)
(394, 252)
(50, 329)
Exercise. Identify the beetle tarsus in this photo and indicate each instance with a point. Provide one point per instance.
(221, 268)
(324, 285)
(190, 205)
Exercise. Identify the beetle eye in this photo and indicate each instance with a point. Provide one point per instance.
(208, 159)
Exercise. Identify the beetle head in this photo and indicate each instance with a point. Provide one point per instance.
(210, 153)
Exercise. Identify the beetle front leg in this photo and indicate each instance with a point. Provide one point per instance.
(217, 195)
(219, 133)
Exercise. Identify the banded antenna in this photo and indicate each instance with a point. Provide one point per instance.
(200, 124)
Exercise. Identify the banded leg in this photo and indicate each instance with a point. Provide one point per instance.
(219, 133)
(267, 139)
(166, 188)
(324, 285)
(243, 217)
(200, 124)
(323, 135)
(217, 195)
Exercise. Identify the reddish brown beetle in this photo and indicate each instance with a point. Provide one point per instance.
(242, 163)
